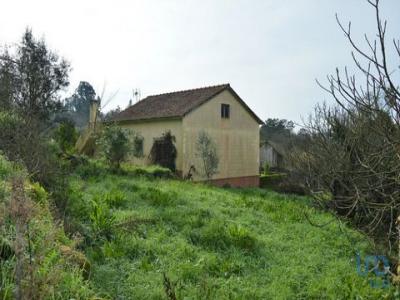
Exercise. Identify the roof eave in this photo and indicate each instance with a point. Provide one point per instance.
(124, 121)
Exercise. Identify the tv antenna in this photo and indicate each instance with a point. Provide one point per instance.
(137, 94)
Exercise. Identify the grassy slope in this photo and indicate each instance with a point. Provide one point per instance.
(217, 243)
(50, 273)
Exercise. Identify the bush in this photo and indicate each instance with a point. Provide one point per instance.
(45, 273)
(66, 136)
(272, 180)
(90, 168)
(266, 168)
(149, 171)
(282, 183)
(38, 193)
(115, 145)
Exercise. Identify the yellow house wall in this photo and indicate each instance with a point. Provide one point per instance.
(154, 129)
(236, 138)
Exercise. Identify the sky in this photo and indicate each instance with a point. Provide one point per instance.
(271, 52)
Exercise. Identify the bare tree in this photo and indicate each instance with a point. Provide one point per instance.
(353, 152)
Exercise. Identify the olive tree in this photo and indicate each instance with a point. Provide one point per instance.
(206, 150)
(115, 145)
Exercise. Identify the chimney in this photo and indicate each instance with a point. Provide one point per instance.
(93, 112)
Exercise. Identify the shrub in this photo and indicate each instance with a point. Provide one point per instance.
(149, 171)
(266, 168)
(90, 168)
(115, 145)
(66, 136)
(138, 145)
(38, 193)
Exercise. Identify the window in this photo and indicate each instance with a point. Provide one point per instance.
(225, 113)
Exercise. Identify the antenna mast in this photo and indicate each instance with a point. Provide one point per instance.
(137, 95)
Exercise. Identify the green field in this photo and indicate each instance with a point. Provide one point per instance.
(211, 243)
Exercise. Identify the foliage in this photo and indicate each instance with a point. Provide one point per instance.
(31, 78)
(153, 171)
(138, 141)
(115, 145)
(274, 127)
(102, 221)
(216, 243)
(352, 149)
(66, 136)
(277, 130)
(266, 168)
(32, 265)
(163, 152)
(78, 105)
(107, 117)
(206, 150)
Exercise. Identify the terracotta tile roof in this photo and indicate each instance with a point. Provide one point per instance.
(173, 105)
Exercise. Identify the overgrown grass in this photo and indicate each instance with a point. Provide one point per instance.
(48, 265)
(213, 243)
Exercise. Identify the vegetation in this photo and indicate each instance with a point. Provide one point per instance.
(115, 145)
(149, 237)
(138, 141)
(37, 260)
(352, 149)
(66, 136)
(206, 150)
(78, 105)
(163, 152)
(138, 233)
(31, 78)
(277, 130)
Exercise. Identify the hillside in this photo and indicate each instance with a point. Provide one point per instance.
(210, 243)
(37, 259)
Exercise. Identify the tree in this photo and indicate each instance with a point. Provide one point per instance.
(353, 149)
(115, 145)
(111, 114)
(31, 78)
(206, 150)
(274, 129)
(78, 105)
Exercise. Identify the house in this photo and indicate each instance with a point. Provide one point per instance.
(216, 110)
(273, 154)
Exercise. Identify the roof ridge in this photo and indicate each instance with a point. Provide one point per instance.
(190, 90)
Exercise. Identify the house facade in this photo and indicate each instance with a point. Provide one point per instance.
(217, 111)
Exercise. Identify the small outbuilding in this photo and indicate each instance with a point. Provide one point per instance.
(273, 154)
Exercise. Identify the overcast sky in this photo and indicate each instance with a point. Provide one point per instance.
(270, 51)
